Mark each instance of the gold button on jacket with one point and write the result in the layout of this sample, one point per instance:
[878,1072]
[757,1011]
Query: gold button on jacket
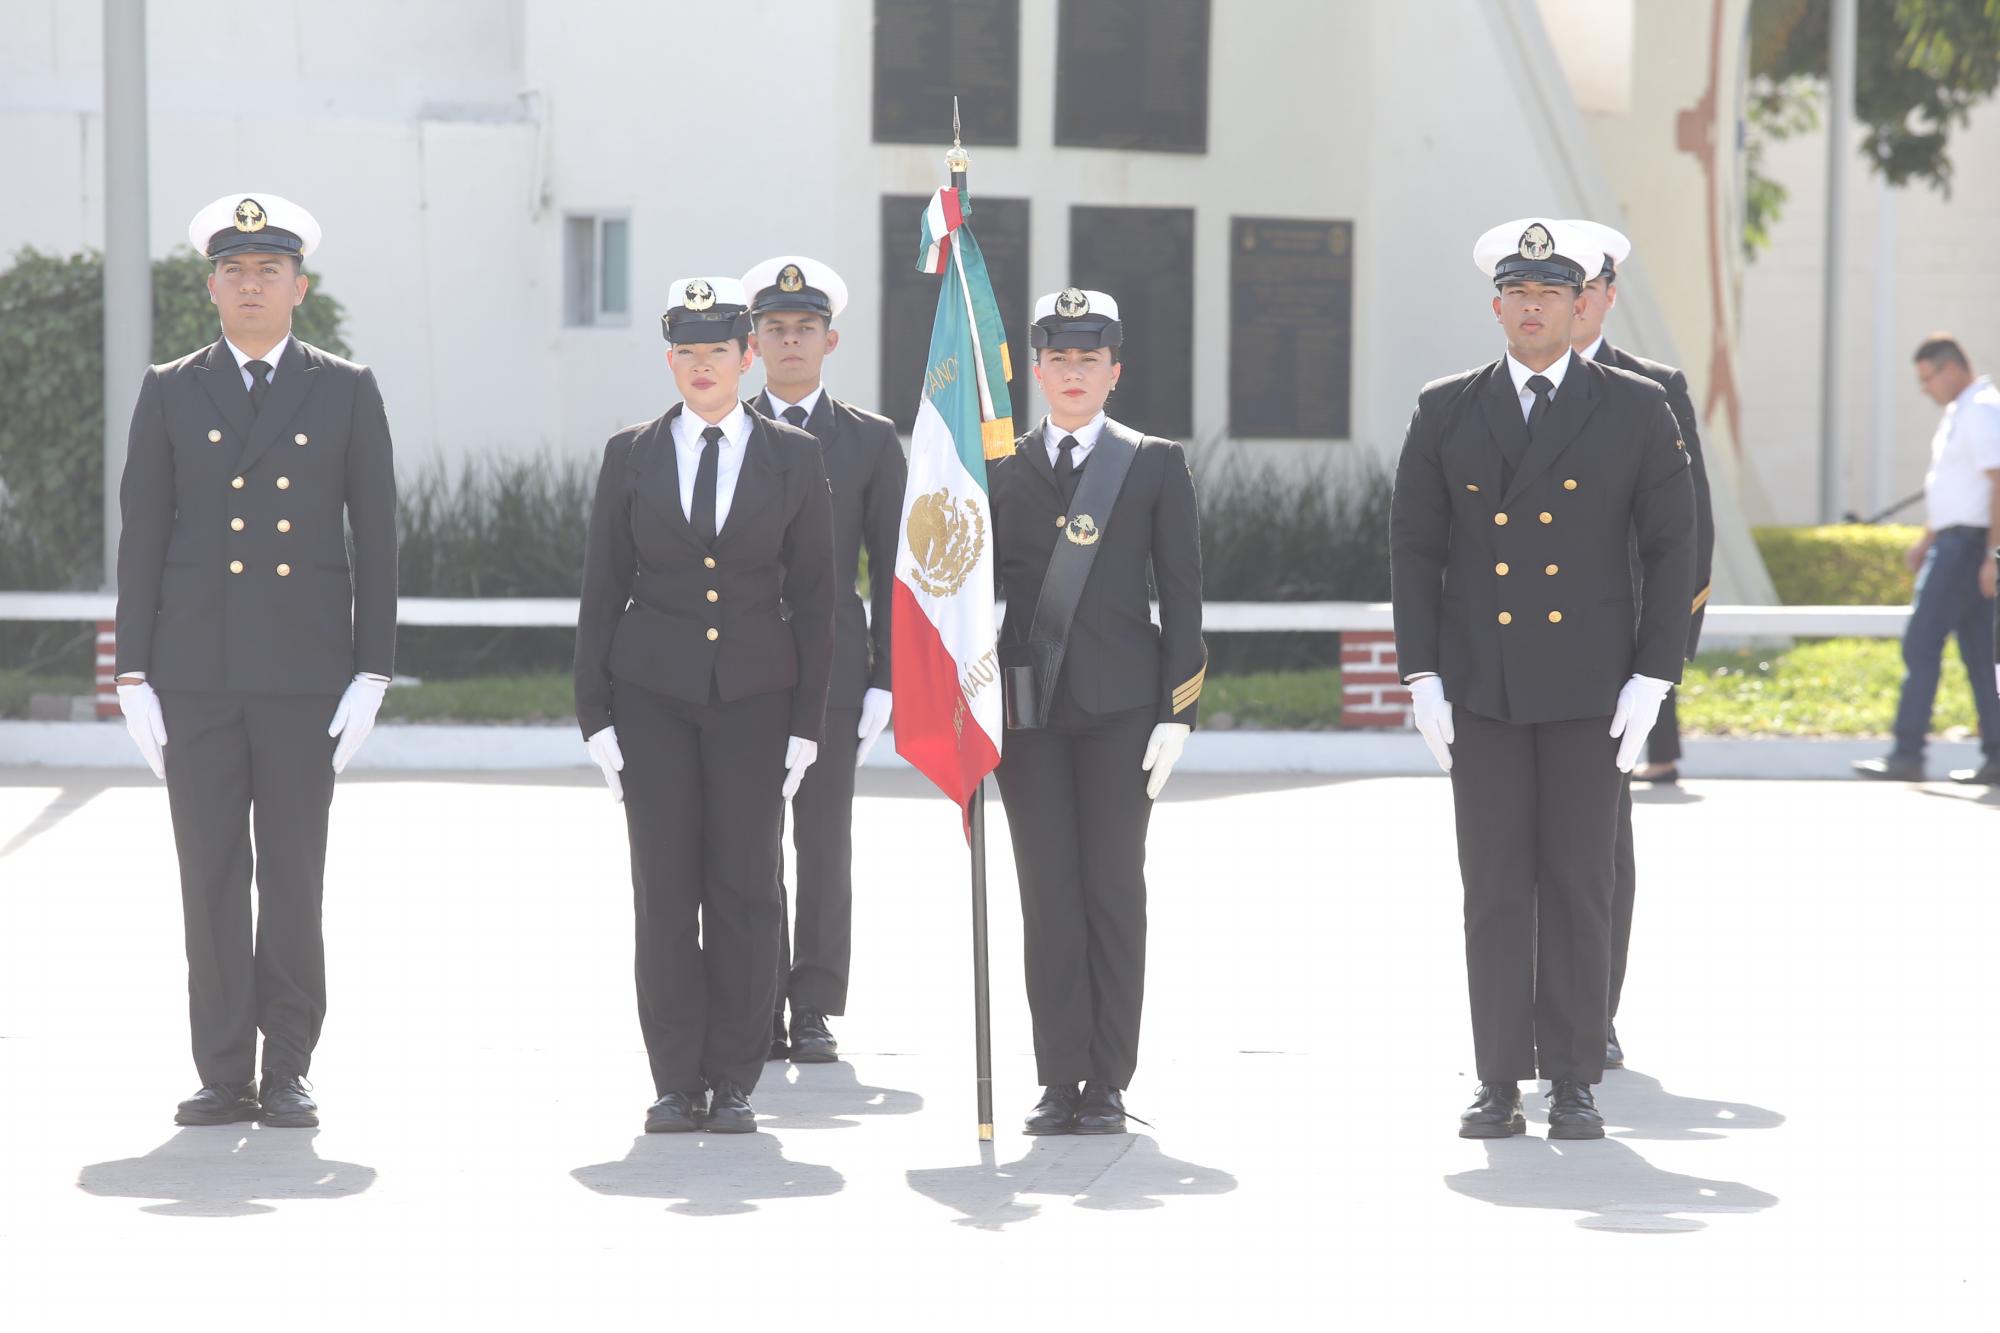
[714,596]
[1500,520]
[708,562]
[285,525]
[1555,617]
[215,437]
[714,634]
[285,484]
[1506,617]
[1553,570]
[237,482]
[236,566]
[1569,484]
[1501,569]
[1547,517]
[284,571]
[236,525]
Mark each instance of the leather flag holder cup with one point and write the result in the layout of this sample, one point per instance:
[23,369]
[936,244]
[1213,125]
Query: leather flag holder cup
[1029,668]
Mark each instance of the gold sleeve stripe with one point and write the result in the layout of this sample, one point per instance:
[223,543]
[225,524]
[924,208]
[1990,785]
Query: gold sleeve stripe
[1189,690]
[1701,599]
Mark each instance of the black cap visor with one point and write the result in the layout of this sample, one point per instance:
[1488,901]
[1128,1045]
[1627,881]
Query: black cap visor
[717,324]
[1554,269]
[1086,333]
[269,241]
[809,299]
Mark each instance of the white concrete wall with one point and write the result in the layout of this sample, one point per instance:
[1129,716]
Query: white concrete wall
[1945,262]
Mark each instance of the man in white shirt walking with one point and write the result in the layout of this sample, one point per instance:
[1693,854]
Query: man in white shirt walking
[1955,564]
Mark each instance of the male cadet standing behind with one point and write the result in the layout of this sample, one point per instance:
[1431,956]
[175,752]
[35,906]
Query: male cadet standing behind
[705,634]
[1521,487]
[793,302]
[251,657]
[1085,510]
[1663,746]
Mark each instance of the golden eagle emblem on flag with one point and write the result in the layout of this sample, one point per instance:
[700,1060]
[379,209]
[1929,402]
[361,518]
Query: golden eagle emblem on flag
[946,536]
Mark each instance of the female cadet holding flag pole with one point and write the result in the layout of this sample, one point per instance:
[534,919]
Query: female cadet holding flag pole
[1099,700]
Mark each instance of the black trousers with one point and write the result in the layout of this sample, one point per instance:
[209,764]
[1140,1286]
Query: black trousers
[1537,808]
[1077,811]
[1624,887]
[703,799]
[240,763]
[814,944]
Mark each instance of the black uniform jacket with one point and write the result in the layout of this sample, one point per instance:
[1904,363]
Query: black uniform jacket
[1676,385]
[864,462]
[233,569]
[1522,598]
[1117,659]
[662,610]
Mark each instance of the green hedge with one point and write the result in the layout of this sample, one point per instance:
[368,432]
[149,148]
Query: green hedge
[1844,564]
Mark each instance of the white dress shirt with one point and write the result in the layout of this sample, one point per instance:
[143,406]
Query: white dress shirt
[270,358]
[1086,439]
[1554,374]
[728,459]
[1957,490]
[809,402]
[1590,353]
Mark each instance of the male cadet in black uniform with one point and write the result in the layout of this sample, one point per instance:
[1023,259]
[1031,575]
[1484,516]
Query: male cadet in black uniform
[252,656]
[703,644]
[1097,698]
[1521,488]
[793,302]
[1663,745]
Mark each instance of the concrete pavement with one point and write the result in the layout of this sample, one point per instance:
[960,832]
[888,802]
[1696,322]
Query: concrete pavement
[1799,1142]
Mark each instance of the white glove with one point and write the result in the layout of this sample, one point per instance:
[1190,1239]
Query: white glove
[1163,751]
[799,756]
[1638,709]
[1432,713]
[604,752]
[145,722]
[355,717]
[876,706]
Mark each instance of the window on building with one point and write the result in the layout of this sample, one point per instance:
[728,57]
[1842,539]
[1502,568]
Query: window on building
[597,269]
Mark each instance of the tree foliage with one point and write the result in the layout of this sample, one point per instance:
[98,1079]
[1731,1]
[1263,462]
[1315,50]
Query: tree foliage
[52,399]
[1920,68]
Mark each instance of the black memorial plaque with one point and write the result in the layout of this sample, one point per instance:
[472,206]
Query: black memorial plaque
[1291,328]
[925,52]
[1144,258]
[1132,74]
[910,298]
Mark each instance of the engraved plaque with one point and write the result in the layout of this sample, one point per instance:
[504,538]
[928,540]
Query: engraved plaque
[1133,74]
[1291,328]
[1144,257]
[926,51]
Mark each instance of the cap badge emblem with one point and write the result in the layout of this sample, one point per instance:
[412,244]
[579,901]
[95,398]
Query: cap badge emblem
[1071,302]
[1082,530]
[250,216]
[790,279]
[698,295]
[1536,243]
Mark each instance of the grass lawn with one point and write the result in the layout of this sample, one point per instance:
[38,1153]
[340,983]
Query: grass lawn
[1833,687]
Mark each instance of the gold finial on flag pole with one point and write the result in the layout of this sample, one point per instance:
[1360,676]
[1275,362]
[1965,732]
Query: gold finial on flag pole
[957,160]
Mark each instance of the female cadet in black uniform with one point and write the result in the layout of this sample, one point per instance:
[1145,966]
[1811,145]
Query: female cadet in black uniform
[703,645]
[1083,511]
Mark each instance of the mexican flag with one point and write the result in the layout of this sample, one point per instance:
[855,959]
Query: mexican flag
[945,645]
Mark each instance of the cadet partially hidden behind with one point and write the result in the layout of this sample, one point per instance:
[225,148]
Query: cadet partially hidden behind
[703,643]
[1534,677]
[1085,511]
[252,656]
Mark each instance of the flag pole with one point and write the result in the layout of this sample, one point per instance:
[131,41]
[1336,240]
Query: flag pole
[957,161]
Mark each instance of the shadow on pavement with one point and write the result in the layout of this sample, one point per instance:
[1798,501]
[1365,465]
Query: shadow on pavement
[1637,1107]
[72,797]
[1666,793]
[1114,1173]
[223,1170]
[711,1175]
[825,1097]
[1616,1188]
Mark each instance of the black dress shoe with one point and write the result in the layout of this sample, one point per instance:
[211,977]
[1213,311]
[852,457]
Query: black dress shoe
[1055,1113]
[219,1104]
[1667,775]
[1495,1113]
[780,1048]
[1895,768]
[1100,1111]
[676,1113]
[812,1042]
[1986,775]
[1614,1054]
[1573,1112]
[729,1111]
[286,1105]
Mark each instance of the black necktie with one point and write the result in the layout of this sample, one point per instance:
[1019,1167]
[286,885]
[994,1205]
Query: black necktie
[1539,386]
[1066,469]
[260,383]
[796,415]
[703,517]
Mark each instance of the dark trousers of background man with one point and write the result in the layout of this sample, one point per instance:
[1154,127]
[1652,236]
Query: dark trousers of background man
[1663,742]
[235,762]
[812,972]
[1537,808]
[1077,812]
[1947,603]
[703,801]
